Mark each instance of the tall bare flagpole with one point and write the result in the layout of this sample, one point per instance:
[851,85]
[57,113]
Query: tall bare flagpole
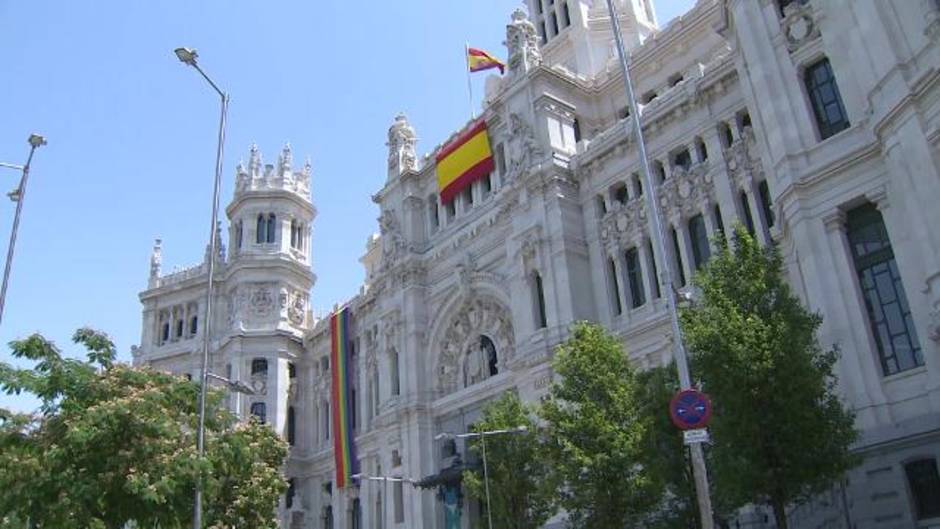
[700,473]
[466,65]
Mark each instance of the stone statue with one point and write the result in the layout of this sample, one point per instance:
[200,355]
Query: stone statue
[524,148]
[156,259]
[401,146]
[523,43]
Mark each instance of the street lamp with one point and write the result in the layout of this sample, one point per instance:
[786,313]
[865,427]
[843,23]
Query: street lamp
[18,195]
[188,56]
[486,477]
[385,480]
[699,471]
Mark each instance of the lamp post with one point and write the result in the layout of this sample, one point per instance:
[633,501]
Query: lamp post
[699,472]
[188,56]
[18,195]
[486,477]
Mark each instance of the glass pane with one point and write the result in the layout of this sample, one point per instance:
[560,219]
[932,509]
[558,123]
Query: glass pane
[885,285]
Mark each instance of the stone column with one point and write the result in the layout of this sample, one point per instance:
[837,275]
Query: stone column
[760,227]
[710,228]
[685,250]
[643,255]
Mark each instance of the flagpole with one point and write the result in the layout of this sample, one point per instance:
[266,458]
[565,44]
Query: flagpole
[466,62]
[658,235]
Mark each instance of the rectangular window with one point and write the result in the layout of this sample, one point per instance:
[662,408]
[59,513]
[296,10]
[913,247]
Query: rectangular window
[680,272]
[501,159]
[553,19]
[746,210]
[653,269]
[565,16]
[291,425]
[825,99]
[576,125]
[433,215]
[600,206]
[889,314]
[396,381]
[719,223]
[399,502]
[540,319]
[765,203]
[699,234]
[924,482]
[682,159]
[614,288]
[635,278]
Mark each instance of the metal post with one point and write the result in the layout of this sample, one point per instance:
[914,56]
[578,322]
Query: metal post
[204,375]
[19,195]
[466,59]
[486,484]
[699,471]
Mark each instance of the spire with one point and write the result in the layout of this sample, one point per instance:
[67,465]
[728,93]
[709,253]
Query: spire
[285,161]
[156,259]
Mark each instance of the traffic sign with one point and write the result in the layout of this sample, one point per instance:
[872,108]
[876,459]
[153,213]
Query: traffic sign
[699,435]
[690,410]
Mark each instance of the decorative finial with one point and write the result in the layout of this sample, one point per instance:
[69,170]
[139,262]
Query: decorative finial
[254,160]
[156,258]
[286,159]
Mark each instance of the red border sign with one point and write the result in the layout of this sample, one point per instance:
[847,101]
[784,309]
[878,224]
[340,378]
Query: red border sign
[690,409]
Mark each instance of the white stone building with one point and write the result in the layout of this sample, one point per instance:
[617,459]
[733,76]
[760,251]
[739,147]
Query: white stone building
[816,123]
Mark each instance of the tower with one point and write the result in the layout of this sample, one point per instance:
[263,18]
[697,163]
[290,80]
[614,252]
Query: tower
[576,34]
[265,297]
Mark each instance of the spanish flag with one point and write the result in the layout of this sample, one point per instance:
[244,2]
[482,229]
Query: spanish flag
[479,60]
[463,160]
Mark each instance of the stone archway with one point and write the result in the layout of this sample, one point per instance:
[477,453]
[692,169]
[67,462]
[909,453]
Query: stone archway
[478,317]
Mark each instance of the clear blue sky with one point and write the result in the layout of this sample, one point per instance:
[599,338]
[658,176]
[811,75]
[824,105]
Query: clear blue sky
[132,132]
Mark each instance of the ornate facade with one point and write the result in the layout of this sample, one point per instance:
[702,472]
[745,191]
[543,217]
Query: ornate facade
[816,123]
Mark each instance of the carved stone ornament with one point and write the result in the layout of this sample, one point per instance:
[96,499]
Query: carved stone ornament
[624,224]
[261,301]
[524,148]
[686,191]
[522,42]
[156,259]
[798,24]
[393,243]
[297,307]
[482,316]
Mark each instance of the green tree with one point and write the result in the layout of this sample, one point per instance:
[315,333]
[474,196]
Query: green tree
[522,493]
[780,432]
[111,444]
[596,434]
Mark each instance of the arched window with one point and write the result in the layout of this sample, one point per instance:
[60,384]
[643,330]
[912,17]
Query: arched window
[923,481]
[193,325]
[260,229]
[179,328]
[260,410]
[488,349]
[259,366]
[396,382]
[239,231]
[538,301]
[291,425]
[165,332]
[272,227]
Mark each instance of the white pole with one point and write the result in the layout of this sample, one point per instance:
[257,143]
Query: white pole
[699,471]
[466,61]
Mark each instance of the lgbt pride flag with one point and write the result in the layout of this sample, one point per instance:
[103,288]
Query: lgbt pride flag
[463,160]
[478,60]
[344,446]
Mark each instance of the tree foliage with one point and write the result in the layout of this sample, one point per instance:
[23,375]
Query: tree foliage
[597,434]
[111,444]
[520,477]
[780,432]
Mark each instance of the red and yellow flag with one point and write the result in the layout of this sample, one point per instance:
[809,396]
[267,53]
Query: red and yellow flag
[478,60]
[463,160]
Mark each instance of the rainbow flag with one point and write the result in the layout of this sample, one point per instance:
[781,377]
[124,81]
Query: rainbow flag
[344,446]
[463,160]
[478,60]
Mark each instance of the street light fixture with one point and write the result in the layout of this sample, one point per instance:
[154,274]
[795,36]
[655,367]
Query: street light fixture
[486,477]
[188,56]
[18,195]
[385,480]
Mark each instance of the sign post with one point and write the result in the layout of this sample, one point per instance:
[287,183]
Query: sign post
[691,411]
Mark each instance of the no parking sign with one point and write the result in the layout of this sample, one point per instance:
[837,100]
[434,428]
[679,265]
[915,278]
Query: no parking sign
[690,410]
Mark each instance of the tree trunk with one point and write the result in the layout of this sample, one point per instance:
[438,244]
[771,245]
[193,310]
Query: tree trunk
[780,512]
